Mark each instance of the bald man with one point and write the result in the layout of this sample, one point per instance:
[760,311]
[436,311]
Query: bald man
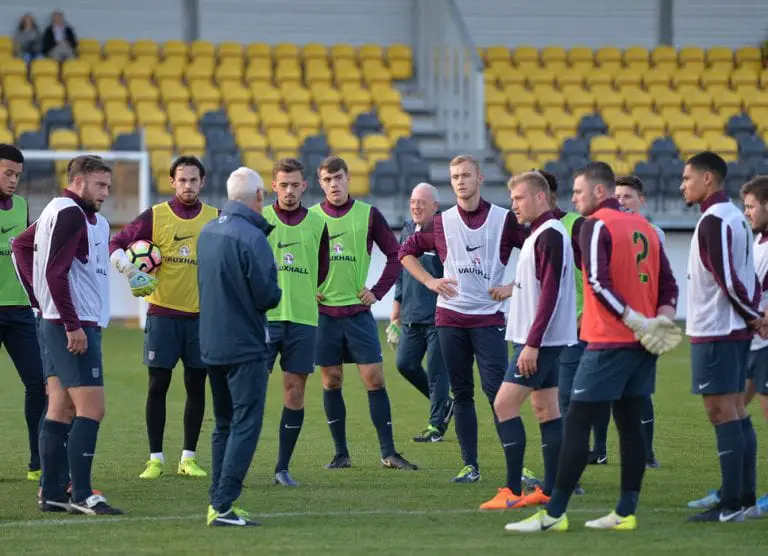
[412,324]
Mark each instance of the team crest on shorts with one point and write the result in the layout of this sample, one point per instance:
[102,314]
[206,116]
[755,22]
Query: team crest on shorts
[151,355]
[288,259]
[184,251]
[95,372]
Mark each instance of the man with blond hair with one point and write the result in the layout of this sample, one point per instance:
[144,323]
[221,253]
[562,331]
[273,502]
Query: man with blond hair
[237,280]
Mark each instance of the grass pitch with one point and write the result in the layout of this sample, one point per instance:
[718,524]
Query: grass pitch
[366,509]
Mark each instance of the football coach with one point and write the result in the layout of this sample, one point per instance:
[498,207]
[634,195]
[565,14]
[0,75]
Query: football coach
[237,279]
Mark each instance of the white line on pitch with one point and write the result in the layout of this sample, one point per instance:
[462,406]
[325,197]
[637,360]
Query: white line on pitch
[88,520]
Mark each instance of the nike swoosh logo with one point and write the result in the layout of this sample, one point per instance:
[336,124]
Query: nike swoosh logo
[644,422]
[6,230]
[579,391]
[284,245]
[545,527]
[237,521]
[702,386]
[518,375]
[470,249]
[727,517]
[176,237]
[334,236]
[602,459]
[508,444]
[333,421]
[292,426]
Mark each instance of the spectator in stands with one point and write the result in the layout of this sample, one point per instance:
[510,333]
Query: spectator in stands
[27,41]
[59,39]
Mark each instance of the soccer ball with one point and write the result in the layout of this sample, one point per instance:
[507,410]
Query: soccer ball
[145,256]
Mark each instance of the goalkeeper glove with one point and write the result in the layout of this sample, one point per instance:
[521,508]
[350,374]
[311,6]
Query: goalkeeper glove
[636,322]
[393,335]
[142,284]
[661,335]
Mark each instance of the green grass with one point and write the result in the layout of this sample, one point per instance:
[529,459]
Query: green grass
[366,509]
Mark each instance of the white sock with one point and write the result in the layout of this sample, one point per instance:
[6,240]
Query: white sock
[157,455]
[187,454]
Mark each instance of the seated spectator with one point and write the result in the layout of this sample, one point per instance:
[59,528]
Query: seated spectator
[27,42]
[59,39]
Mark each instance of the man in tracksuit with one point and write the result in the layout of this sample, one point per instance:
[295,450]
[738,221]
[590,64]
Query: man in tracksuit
[237,280]
[412,324]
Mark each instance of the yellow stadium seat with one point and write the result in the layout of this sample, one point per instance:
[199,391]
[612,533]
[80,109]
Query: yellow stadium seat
[235,93]
[119,115]
[49,88]
[229,72]
[111,90]
[375,143]
[17,90]
[691,55]
[230,50]
[697,99]
[667,98]
[541,77]
[274,119]
[343,142]
[205,92]
[314,51]
[608,98]
[384,95]
[496,53]
[148,114]
[3,116]
[243,116]
[295,95]
[530,121]
[627,77]
[598,77]
[649,123]
[617,120]
[249,139]
[201,49]
[602,147]
[763,79]
[744,76]
[265,94]
[526,54]
[495,97]
[258,71]
[543,147]
[512,77]
[143,91]
[43,67]
[685,77]
[664,56]
[173,91]
[501,121]
[107,69]
[343,52]
[689,144]
[632,148]
[516,163]
[189,141]
[80,89]
[23,127]
[75,68]
[510,142]
[569,77]
[755,99]
[288,73]
[712,78]
[258,50]
[656,77]
[286,51]
[94,138]
[726,100]
[117,47]
[145,48]
[634,96]
[636,55]
[707,123]
[370,52]
[13,66]
[169,69]
[201,69]
[316,72]
[403,52]
[719,54]
[331,118]
[180,115]
[401,70]
[138,70]
[608,55]
[305,120]
[281,140]
[258,160]
[158,139]
[88,46]
[325,95]
[63,140]
[748,55]
[5,136]
[553,55]
[581,55]
[724,146]
[680,122]
[551,99]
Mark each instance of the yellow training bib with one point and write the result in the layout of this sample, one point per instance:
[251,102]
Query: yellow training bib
[177,240]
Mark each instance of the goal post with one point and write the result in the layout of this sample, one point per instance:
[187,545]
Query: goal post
[131,195]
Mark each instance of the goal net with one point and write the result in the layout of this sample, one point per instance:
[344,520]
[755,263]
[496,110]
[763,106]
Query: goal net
[45,175]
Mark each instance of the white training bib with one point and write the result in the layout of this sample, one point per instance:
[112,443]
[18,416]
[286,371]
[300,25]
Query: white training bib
[710,312]
[473,261]
[89,281]
[761,267]
[526,294]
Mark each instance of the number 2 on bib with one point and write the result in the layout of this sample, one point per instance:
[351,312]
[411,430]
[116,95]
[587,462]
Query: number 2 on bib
[639,237]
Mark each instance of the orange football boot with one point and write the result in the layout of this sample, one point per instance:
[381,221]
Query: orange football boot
[535,498]
[504,499]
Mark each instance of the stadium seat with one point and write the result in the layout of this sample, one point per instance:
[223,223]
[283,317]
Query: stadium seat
[117,47]
[94,138]
[63,140]
[242,116]
[118,115]
[13,67]
[189,140]
[86,113]
[148,114]
[142,91]
[180,115]
[111,90]
[249,139]
[107,69]
[314,51]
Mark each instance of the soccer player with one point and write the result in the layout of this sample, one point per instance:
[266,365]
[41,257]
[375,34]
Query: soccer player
[629,193]
[238,285]
[347,331]
[412,324]
[723,311]
[64,257]
[299,242]
[542,321]
[473,240]
[571,355]
[629,292]
[173,313]
[18,330]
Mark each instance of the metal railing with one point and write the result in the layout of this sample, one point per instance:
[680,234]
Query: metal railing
[449,74]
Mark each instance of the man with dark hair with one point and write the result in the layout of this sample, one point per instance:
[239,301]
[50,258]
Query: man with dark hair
[299,242]
[630,294]
[571,355]
[629,193]
[347,331]
[63,259]
[173,314]
[723,309]
[18,331]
